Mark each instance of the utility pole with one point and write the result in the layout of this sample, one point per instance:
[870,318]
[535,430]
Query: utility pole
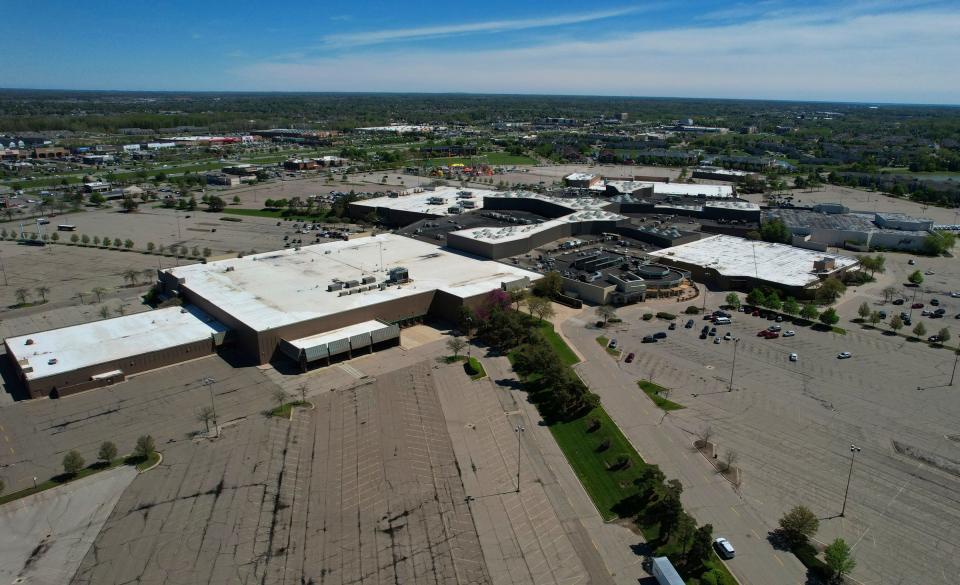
[853,455]
[519,430]
[733,366]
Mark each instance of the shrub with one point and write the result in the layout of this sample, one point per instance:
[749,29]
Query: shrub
[647,316]
[667,316]
[145,447]
[692,310]
[73,462]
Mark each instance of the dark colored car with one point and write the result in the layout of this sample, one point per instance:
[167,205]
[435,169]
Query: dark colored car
[916,306]
[689,324]
[660,334]
[630,357]
[649,339]
[713,331]
[705,330]
[935,302]
[898,301]
[883,314]
[672,326]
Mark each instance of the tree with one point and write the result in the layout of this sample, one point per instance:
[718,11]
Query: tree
[829,317]
[874,318]
[96,240]
[117,243]
[888,293]
[151,247]
[3,486]
[549,286]
[775,231]
[97,199]
[944,334]
[456,345]
[280,396]
[915,278]
[517,296]
[864,310]
[55,237]
[606,312]
[756,297]
[74,238]
[207,252]
[809,312]
[236,200]
[145,447]
[216,204]
[733,300]
[195,252]
[540,307]
[797,525]
[130,275]
[84,239]
[830,289]
[128,243]
[107,452]
[700,547]
[121,309]
[939,242]
[99,292]
[896,323]
[791,306]
[772,302]
[205,415]
[22,295]
[920,329]
[73,462]
[104,311]
[42,290]
[129,204]
[839,558]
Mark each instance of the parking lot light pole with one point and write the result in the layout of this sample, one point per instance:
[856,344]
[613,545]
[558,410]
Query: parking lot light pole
[519,430]
[733,366]
[209,382]
[955,361]
[853,455]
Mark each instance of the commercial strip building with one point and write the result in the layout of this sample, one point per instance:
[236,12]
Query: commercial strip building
[67,360]
[288,295]
[314,305]
[737,263]
[826,226]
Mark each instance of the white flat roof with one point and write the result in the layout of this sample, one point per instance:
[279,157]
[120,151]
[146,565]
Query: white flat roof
[571,203]
[732,256]
[337,334]
[693,190]
[278,288]
[418,202]
[89,344]
[580,177]
[519,232]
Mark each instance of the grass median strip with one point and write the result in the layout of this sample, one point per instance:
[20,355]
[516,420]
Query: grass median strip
[655,391]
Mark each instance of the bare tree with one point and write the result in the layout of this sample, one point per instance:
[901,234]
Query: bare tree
[104,311]
[205,415]
[729,458]
[22,295]
[704,436]
[456,345]
[42,290]
[99,292]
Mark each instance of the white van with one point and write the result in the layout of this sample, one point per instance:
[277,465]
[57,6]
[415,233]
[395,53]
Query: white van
[722,321]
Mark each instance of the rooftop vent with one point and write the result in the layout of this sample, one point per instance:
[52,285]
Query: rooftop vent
[29,342]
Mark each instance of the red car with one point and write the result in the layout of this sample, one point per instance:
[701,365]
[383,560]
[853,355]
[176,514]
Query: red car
[755,313]
[916,306]
[630,357]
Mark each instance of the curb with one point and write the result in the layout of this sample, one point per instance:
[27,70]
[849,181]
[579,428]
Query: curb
[159,461]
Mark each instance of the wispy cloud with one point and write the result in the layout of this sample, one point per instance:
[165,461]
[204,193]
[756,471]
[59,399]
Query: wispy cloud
[376,37]
[902,56]
[340,17]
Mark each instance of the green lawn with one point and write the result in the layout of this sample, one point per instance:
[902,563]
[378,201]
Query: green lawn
[89,470]
[556,342]
[285,409]
[605,343]
[272,213]
[474,369]
[491,158]
[606,488]
[653,391]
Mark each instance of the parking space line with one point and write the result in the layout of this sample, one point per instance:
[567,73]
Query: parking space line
[735,511]
[779,561]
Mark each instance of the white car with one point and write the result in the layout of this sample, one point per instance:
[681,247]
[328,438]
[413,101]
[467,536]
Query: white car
[724,548]
[789,333]
[844,355]
[955,295]
[794,357]
[716,340]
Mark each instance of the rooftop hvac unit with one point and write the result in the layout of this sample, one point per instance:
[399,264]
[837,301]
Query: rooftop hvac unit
[368,279]
[352,283]
[334,286]
[399,274]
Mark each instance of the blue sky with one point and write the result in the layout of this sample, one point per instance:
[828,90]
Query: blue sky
[856,50]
